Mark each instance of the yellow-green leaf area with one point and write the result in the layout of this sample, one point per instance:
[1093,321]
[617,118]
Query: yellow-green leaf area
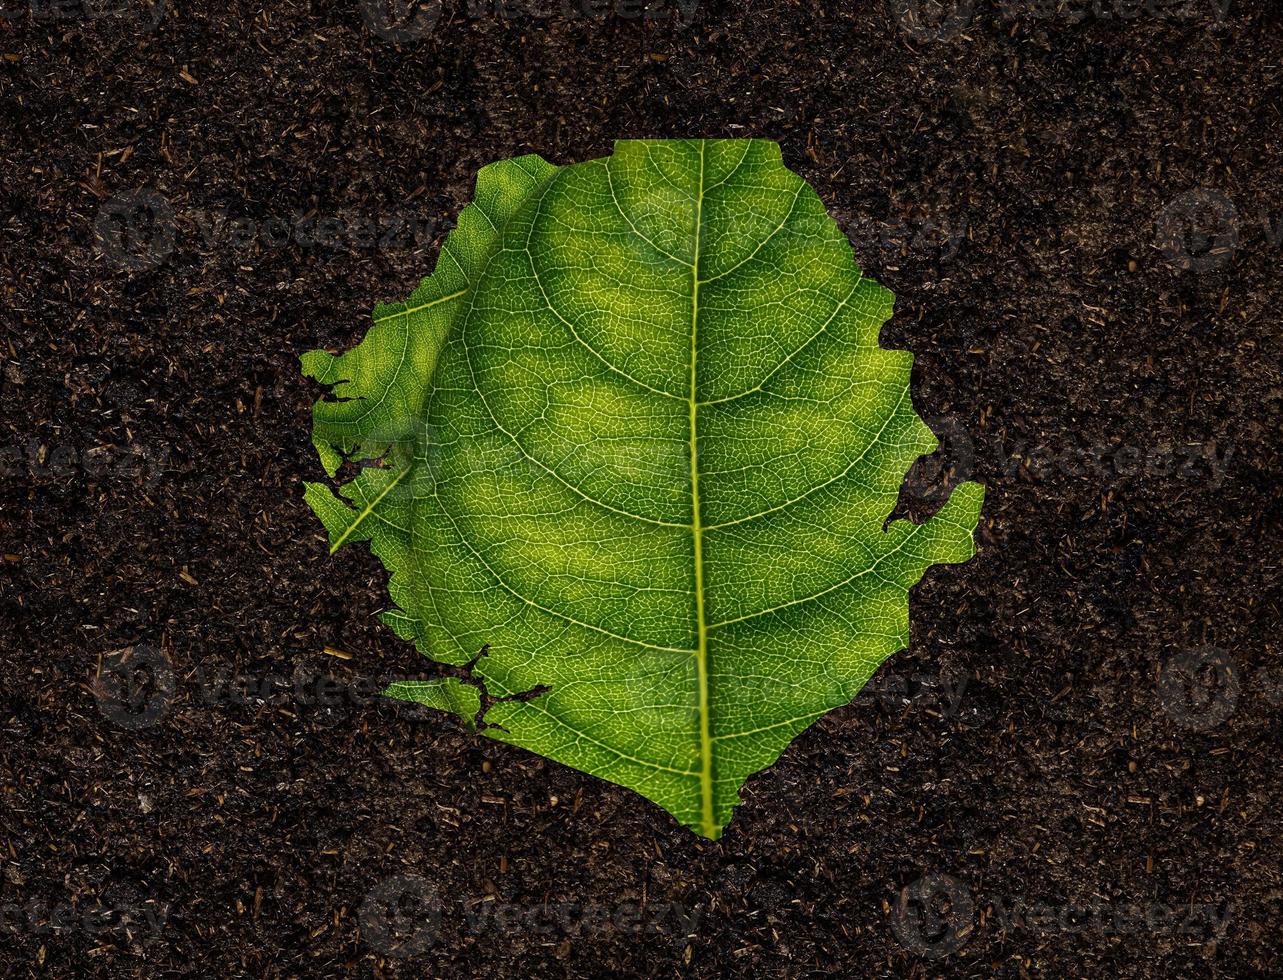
[635,437]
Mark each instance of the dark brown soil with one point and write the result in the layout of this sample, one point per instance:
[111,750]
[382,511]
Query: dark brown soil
[1073,770]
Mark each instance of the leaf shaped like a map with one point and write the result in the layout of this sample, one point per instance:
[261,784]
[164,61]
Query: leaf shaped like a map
[636,438]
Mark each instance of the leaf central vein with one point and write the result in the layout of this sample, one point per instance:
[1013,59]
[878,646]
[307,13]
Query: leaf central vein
[702,671]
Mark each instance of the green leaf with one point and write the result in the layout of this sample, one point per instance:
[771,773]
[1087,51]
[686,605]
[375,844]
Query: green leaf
[448,694]
[636,437]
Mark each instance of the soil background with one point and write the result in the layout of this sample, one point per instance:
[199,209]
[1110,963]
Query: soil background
[1071,772]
